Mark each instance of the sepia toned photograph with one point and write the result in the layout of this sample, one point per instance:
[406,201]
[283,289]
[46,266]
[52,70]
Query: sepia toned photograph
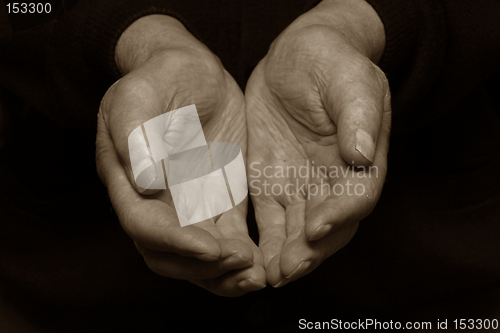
[249,166]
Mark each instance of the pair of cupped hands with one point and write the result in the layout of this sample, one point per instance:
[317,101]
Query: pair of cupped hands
[317,98]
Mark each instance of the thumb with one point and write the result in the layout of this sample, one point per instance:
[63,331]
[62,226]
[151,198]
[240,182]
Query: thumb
[355,100]
[363,115]
[144,135]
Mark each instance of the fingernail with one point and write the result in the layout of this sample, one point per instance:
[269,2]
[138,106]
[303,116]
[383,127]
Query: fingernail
[207,257]
[235,261]
[281,283]
[321,232]
[299,270]
[365,144]
[251,284]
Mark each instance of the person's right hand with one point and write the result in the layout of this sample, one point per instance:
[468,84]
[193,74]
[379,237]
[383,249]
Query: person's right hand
[166,68]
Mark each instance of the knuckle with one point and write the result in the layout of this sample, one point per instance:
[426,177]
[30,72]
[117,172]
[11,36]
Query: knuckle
[107,100]
[137,86]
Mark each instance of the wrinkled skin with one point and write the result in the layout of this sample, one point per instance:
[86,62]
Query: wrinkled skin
[305,102]
[316,99]
[217,254]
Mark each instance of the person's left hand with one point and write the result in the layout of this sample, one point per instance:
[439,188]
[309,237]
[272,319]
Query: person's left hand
[316,106]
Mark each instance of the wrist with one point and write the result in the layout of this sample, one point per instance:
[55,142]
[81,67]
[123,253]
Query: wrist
[356,20]
[149,36]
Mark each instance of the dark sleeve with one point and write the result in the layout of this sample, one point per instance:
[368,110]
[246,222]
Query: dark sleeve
[62,63]
[437,51]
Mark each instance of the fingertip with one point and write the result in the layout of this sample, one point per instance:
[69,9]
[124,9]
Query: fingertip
[299,270]
[202,244]
[237,282]
[297,256]
[250,284]
[231,246]
[273,273]
[211,254]
[206,257]
[143,191]
[365,145]
[259,274]
[318,222]
[235,261]
[256,279]
[281,283]
[359,117]
[319,232]
[296,273]
[358,150]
